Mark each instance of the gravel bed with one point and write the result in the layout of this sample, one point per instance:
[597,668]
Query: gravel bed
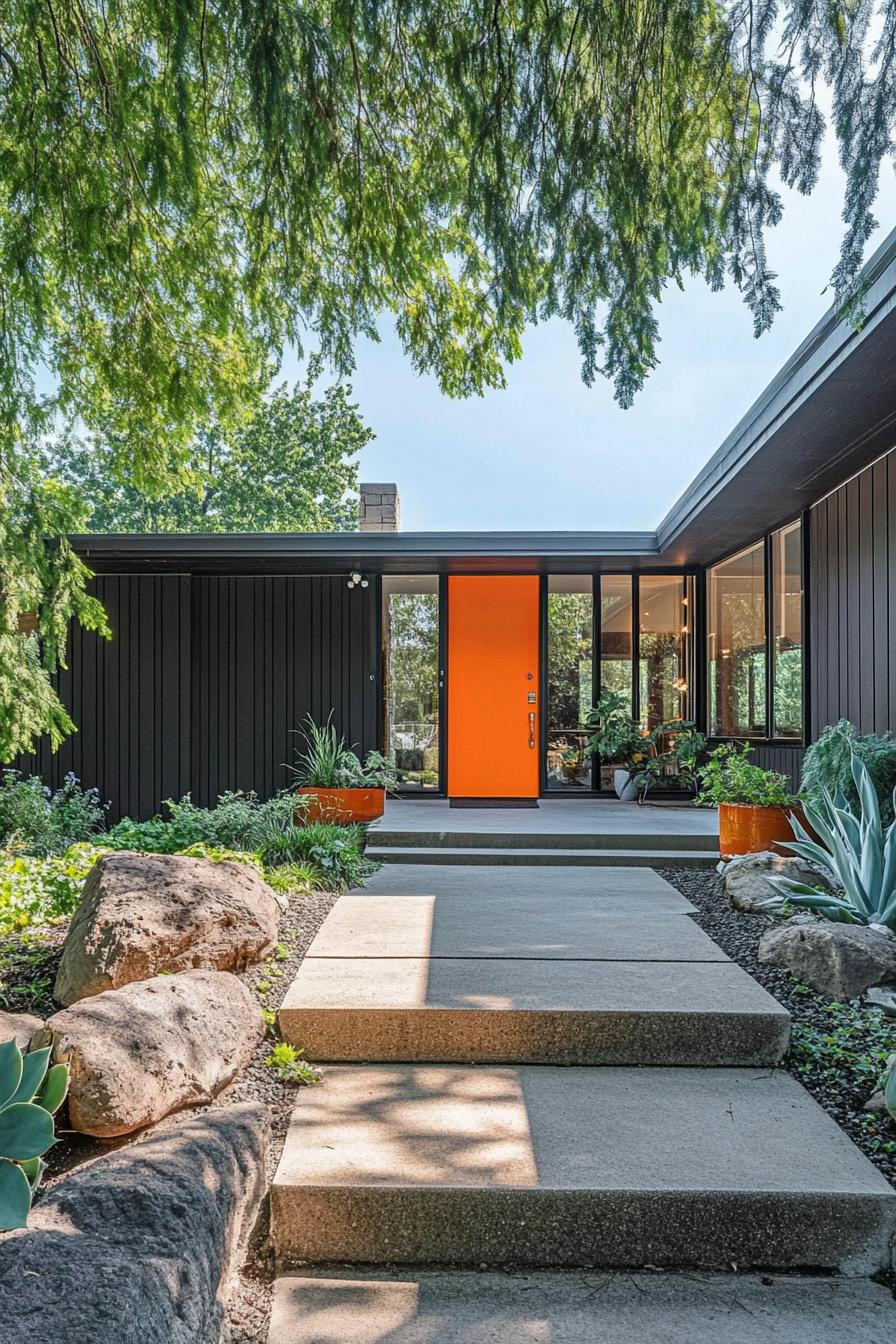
[831,1042]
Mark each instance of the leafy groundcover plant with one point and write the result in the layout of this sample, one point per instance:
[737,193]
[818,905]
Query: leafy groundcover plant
[30,1094]
[855,848]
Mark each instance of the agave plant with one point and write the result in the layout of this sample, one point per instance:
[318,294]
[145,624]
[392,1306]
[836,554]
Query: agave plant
[30,1094]
[855,848]
[889,1086]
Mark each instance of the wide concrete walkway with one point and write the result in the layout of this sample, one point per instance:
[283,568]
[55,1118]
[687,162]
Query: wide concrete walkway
[447,1132]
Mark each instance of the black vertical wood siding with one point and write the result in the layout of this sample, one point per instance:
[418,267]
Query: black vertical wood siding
[852,601]
[203,682]
[266,653]
[785,759]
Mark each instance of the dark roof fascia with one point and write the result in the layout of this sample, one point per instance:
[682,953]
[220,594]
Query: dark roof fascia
[378,552]
[832,340]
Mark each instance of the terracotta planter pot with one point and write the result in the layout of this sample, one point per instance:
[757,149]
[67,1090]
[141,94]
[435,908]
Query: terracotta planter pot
[744,829]
[344,805]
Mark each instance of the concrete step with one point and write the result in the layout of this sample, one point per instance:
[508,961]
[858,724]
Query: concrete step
[425,978]
[517,890]
[575,1307]
[522,1011]
[543,1166]
[590,858]
[392,838]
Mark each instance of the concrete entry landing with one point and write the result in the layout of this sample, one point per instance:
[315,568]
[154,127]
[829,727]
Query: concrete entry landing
[581,832]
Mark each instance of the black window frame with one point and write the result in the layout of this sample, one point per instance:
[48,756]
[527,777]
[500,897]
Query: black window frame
[771,739]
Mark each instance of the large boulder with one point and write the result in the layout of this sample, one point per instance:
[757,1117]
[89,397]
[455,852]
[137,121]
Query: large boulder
[19,1027]
[746,878]
[138,1246]
[840,961]
[154,1047]
[145,913]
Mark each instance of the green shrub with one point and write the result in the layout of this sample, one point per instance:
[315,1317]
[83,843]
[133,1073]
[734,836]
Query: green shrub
[238,822]
[335,852]
[30,1094]
[729,776]
[827,766]
[40,821]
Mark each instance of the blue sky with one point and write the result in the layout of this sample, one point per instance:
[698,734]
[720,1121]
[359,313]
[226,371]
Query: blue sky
[548,452]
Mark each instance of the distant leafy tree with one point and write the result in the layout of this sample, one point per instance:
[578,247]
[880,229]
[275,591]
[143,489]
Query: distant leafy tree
[186,188]
[293,468]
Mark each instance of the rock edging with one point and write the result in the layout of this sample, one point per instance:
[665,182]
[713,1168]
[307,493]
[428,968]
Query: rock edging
[137,1247]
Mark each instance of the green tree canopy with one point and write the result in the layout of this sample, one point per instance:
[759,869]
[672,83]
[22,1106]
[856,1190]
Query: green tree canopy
[185,189]
[292,468]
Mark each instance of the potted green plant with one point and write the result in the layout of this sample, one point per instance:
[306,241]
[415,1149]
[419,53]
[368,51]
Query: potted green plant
[755,805]
[617,740]
[336,784]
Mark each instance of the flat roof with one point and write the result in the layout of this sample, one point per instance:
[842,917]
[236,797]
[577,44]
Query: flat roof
[829,412]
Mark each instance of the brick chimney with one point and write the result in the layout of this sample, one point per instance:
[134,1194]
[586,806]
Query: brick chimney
[379,507]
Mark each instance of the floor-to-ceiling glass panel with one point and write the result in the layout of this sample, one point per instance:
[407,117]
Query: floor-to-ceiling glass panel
[665,606]
[664,647]
[615,646]
[735,645]
[411,677]
[787,626]
[570,647]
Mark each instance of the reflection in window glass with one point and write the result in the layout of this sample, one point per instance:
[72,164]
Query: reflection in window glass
[411,677]
[787,626]
[736,645]
[664,647]
[615,645]
[570,676]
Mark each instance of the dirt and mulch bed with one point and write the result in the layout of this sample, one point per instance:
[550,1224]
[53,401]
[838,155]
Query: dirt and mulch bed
[837,1049]
[28,966]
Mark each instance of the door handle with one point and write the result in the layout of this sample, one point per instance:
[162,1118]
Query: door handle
[532,728]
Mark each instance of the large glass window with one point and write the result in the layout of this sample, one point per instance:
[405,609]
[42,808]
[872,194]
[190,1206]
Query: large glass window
[570,617]
[664,647]
[411,677]
[735,617]
[616,647]
[787,631]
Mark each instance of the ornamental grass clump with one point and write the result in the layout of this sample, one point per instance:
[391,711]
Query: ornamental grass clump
[855,848]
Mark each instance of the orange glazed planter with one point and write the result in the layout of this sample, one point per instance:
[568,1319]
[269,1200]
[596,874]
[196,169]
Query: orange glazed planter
[343,805]
[747,829]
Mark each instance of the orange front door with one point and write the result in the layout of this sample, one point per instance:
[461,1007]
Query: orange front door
[493,693]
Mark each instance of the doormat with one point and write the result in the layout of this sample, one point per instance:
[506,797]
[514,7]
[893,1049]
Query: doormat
[492,802]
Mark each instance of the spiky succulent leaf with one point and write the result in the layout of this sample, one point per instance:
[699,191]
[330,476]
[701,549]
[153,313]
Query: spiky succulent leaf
[34,1168]
[890,1087]
[15,1196]
[53,1089]
[10,1071]
[26,1131]
[34,1069]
